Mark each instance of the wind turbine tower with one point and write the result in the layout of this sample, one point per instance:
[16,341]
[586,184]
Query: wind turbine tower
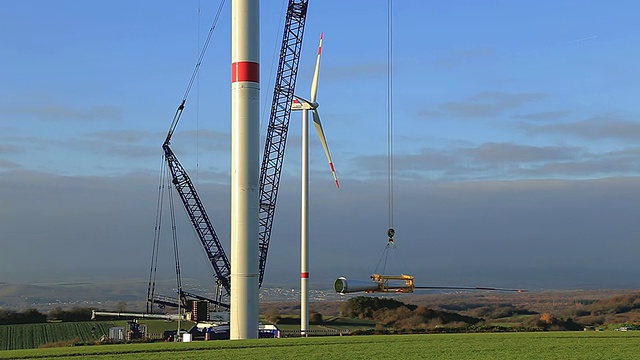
[305,106]
[245,167]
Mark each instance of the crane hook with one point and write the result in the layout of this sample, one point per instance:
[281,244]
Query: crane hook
[390,233]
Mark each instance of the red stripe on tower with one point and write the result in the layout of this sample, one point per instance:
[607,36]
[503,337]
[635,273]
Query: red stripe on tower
[245,71]
[304,275]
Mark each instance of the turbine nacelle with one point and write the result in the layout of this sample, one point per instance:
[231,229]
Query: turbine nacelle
[299,103]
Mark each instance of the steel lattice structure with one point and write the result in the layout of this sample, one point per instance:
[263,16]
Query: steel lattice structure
[274,146]
[271,163]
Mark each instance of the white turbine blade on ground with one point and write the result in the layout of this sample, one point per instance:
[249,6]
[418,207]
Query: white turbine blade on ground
[323,140]
[316,73]
[467,288]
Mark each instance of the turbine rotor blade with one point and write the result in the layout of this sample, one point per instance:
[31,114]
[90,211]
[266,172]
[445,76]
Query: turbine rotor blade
[467,288]
[316,73]
[318,125]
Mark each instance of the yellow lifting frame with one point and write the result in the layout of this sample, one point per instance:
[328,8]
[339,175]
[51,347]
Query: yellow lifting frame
[385,286]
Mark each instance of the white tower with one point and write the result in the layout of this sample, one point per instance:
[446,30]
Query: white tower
[245,167]
[300,104]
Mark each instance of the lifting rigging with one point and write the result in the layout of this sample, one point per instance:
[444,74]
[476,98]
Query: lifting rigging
[392,283]
[270,173]
[390,170]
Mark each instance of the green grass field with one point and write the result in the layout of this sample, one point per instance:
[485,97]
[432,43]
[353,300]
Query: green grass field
[29,336]
[543,345]
[334,322]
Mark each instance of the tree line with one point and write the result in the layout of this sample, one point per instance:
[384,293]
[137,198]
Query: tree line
[395,316]
[33,316]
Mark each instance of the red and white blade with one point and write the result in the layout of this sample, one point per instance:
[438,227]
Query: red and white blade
[316,73]
[318,125]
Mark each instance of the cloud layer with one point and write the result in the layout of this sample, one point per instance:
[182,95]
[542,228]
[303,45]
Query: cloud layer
[512,231]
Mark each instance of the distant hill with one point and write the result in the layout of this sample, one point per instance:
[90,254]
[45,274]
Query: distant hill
[106,294]
[44,296]
[584,306]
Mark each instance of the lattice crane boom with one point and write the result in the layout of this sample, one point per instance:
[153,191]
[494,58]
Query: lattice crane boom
[273,155]
[278,127]
[199,219]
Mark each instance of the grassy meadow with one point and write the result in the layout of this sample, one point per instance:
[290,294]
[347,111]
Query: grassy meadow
[542,345]
[27,336]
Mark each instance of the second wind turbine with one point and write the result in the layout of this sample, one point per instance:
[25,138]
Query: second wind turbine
[300,104]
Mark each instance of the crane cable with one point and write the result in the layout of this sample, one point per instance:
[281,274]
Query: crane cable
[165,178]
[203,52]
[390,231]
[192,80]
[194,75]
[174,235]
[156,240]
[198,107]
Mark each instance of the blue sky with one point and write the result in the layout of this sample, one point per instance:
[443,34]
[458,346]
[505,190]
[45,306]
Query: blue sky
[515,132]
